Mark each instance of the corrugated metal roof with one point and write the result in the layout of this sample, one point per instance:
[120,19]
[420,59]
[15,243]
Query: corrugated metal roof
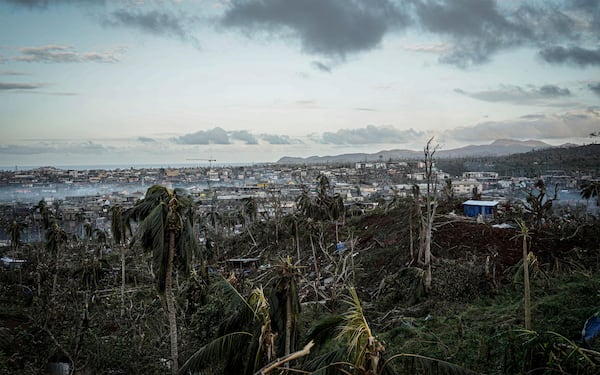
[480,203]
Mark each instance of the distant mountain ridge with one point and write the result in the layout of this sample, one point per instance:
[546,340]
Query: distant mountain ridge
[500,147]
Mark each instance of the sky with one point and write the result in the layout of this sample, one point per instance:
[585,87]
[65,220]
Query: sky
[129,82]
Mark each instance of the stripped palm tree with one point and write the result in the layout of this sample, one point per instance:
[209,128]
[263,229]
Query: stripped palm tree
[166,231]
[56,238]
[590,189]
[361,352]
[15,228]
[246,343]
[286,305]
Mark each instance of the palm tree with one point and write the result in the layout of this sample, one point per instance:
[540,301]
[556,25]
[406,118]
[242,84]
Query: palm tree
[589,190]
[305,205]
[101,238]
[360,351]
[89,230]
[56,237]
[324,200]
[286,305]
[247,341]
[540,204]
[165,230]
[42,208]
[291,223]
[15,228]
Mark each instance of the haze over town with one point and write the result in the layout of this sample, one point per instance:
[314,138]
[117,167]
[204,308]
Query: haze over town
[156,82]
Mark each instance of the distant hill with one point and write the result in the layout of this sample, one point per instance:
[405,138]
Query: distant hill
[569,159]
[501,147]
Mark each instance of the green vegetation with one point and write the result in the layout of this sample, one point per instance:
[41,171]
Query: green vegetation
[489,300]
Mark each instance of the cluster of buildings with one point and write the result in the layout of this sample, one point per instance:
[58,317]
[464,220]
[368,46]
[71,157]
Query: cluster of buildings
[80,196]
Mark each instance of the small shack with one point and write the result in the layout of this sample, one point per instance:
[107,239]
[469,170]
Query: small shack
[474,208]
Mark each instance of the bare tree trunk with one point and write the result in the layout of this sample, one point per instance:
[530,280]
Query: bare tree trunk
[170,299]
[55,276]
[318,276]
[527,295]
[410,234]
[431,206]
[288,323]
[122,279]
[297,240]
[427,254]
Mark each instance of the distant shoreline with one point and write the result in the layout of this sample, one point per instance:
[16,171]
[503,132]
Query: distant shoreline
[126,166]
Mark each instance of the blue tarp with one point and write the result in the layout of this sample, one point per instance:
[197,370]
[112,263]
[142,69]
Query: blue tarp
[591,329]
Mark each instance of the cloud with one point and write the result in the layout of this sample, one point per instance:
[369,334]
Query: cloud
[519,95]
[86,147]
[204,137]
[55,53]
[369,135]
[8,86]
[571,55]
[223,137]
[11,73]
[557,126]
[477,29]
[244,135]
[332,28]
[46,3]
[429,48]
[595,87]
[321,66]
[155,22]
[275,139]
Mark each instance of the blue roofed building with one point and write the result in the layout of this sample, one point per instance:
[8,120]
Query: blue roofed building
[473,208]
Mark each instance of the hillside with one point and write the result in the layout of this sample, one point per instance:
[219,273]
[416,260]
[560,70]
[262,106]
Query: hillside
[571,160]
[500,147]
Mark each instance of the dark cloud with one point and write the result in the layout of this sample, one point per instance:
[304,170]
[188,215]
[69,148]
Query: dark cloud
[365,109]
[477,27]
[46,3]
[325,27]
[321,66]
[370,135]
[561,125]
[595,87]
[155,22]
[54,53]
[552,91]
[519,95]
[571,55]
[244,135]
[204,137]
[6,86]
